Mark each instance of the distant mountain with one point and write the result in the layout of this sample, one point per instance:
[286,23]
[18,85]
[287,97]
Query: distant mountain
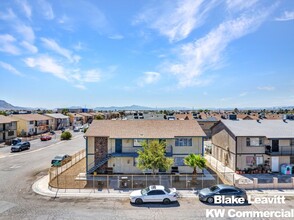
[7,106]
[137,108]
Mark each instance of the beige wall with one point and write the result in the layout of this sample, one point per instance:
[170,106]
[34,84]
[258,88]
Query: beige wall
[123,165]
[196,147]
[243,148]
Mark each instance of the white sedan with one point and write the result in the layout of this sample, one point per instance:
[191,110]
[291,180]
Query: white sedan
[154,193]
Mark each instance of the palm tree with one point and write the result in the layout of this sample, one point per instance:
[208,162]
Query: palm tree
[194,161]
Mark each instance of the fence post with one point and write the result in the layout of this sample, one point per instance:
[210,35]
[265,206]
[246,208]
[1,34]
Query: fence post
[93,183]
[171,180]
[132,182]
[146,181]
[159,179]
[118,181]
[107,179]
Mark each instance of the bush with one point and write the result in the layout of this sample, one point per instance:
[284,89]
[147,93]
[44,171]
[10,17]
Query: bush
[66,135]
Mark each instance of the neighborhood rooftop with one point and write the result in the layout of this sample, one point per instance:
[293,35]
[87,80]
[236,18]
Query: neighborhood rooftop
[57,115]
[264,128]
[4,119]
[31,117]
[145,129]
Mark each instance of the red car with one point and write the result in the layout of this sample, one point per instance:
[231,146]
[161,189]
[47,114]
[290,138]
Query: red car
[45,138]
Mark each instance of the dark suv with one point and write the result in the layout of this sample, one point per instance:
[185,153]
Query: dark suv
[21,146]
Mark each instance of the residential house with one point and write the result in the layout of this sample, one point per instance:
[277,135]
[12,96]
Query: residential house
[113,144]
[206,124]
[248,143]
[59,121]
[31,124]
[87,117]
[145,116]
[8,128]
[75,119]
[188,116]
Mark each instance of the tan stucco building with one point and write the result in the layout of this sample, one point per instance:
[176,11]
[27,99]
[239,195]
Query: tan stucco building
[31,124]
[8,128]
[113,144]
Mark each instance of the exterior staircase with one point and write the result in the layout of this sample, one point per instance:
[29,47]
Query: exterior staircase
[98,163]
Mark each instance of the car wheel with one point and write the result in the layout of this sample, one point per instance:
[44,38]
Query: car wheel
[166,201]
[20,149]
[210,200]
[139,201]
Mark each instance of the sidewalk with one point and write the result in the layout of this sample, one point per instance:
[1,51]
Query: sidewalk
[41,187]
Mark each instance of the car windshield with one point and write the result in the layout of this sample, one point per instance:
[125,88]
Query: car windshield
[58,158]
[213,188]
[145,191]
[167,190]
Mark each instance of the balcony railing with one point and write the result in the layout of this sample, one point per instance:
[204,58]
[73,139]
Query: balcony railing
[282,151]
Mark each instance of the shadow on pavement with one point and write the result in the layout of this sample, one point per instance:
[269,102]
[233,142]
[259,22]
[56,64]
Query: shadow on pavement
[157,205]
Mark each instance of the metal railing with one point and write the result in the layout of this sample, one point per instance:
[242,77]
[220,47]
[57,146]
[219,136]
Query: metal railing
[54,172]
[282,151]
[128,181]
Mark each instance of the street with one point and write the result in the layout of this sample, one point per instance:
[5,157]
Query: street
[17,200]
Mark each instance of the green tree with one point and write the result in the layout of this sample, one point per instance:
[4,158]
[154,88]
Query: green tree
[99,117]
[66,135]
[153,156]
[65,111]
[194,161]
[3,113]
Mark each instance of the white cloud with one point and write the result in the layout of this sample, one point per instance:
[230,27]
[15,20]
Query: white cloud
[243,94]
[286,16]
[266,88]
[26,32]
[7,16]
[148,78]
[7,44]
[30,47]
[79,46]
[116,37]
[47,64]
[238,5]
[46,9]
[177,20]
[52,45]
[26,8]
[10,68]
[92,76]
[206,53]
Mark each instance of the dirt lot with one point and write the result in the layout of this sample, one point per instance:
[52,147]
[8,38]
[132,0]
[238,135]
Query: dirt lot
[67,179]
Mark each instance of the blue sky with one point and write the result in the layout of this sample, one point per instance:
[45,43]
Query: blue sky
[229,53]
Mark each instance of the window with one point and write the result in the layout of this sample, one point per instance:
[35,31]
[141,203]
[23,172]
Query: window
[254,142]
[10,133]
[227,191]
[250,160]
[135,161]
[179,161]
[292,160]
[138,142]
[183,141]
[259,160]
[31,122]
[291,142]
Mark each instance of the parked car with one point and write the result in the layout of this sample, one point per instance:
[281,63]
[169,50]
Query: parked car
[45,138]
[52,132]
[15,141]
[62,130]
[76,129]
[21,146]
[154,193]
[60,160]
[207,194]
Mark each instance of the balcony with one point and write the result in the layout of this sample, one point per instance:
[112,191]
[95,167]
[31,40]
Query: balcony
[168,153]
[280,151]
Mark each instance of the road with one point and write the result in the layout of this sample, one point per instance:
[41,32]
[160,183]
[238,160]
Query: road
[17,200]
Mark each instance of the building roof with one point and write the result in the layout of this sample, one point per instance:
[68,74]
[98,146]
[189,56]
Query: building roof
[31,117]
[75,115]
[184,116]
[57,115]
[263,128]
[144,129]
[5,119]
[85,114]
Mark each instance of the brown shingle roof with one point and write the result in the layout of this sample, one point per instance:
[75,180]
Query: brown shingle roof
[31,117]
[144,128]
[184,116]
[85,114]
[5,119]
